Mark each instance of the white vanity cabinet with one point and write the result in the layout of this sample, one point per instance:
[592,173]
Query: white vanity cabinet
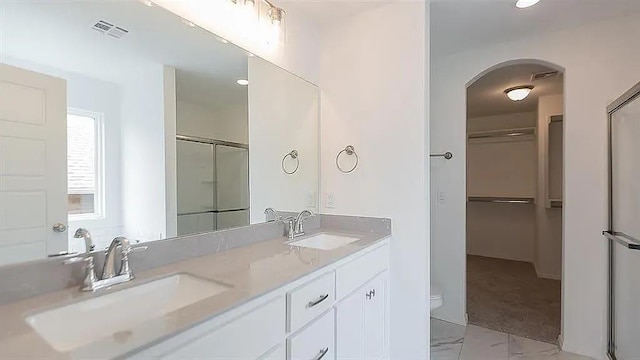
[361,321]
[338,312]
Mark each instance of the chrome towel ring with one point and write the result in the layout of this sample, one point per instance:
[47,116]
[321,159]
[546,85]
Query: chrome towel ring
[294,155]
[349,150]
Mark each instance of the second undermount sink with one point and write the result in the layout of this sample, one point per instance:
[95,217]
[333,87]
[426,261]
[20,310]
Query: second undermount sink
[72,326]
[324,241]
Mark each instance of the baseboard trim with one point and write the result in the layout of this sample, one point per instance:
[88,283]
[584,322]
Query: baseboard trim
[546,276]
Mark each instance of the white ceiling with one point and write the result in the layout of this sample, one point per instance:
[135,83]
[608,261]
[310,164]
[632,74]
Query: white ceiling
[58,33]
[458,25]
[486,96]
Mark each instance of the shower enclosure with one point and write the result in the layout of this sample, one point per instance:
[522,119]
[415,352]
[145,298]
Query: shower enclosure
[623,235]
[213,185]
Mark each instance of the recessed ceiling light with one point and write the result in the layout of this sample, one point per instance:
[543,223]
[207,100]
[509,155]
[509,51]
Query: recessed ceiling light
[243,82]
[518,93]
[147,2]
[521,4]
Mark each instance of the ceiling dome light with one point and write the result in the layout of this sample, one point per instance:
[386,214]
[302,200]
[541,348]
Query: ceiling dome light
[522,4]
[243,82]
[519,93]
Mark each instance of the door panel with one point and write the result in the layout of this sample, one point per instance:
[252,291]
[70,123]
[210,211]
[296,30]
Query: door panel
[33,166]
[624,243]
[374,318]
[232,178]
[196,178]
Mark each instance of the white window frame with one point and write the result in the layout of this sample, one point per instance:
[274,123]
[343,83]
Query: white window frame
[100,199]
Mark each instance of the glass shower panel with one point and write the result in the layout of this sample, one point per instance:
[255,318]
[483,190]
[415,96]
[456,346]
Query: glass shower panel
[232,170]
[625,212]
[196,178]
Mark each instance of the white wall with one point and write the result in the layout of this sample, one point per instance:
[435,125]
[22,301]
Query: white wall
[283,116]
[86,93]
[229,123]
[374,84]
[143,148]
[601,63]
[548,259]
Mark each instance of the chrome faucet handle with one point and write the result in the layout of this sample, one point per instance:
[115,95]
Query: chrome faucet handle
[90,278]
[290,226]
[125,268]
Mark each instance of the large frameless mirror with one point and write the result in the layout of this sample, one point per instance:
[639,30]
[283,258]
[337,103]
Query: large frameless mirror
[123,119]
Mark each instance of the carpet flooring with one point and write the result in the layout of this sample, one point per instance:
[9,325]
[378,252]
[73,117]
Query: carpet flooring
[507,296]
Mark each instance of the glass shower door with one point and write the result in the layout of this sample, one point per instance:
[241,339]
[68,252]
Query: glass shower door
[624,228]
[232,186]
[196,187]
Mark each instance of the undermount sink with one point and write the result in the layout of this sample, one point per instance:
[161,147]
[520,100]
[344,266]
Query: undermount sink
[72,326]
[324,241]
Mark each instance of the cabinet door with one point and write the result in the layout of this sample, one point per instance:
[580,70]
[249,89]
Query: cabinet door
[349,326]
[375,325]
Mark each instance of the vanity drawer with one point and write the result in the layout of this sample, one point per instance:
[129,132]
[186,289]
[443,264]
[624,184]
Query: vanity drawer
[316,341]
[351,276]
[310,300]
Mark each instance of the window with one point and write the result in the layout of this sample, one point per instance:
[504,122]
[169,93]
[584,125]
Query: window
[84,164]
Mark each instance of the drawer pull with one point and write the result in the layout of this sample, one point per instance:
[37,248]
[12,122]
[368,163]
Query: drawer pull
[317,301]
[321,354]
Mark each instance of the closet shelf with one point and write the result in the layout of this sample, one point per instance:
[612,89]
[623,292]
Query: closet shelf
[502,199]
[503,134]
[555,203]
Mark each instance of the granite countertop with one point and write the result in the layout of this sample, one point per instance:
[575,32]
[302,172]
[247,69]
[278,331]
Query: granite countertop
[251,271]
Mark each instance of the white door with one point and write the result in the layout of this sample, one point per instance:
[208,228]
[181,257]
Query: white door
[374,318]
[33,165]
[349,329]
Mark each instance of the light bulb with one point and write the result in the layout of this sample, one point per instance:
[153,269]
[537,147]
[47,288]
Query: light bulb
[518,93]
[522,4]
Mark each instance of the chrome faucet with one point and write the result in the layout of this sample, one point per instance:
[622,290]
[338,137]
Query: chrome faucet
[295,226]
[274,214]
[83,233]
[109,276]
[299,221]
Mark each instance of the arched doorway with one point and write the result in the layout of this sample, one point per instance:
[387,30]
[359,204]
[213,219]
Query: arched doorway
[515,117]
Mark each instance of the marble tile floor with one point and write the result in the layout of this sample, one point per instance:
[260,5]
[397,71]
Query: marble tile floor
[455,342]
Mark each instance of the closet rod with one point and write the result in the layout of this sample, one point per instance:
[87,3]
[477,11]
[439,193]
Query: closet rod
[501,200]
[509,133]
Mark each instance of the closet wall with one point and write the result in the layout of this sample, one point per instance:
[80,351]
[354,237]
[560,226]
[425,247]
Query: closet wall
[548,255]
[502,165]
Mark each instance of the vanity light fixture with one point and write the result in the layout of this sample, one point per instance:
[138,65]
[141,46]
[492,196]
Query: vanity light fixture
[243,82]
[522,4]
[518,93]
[276,15]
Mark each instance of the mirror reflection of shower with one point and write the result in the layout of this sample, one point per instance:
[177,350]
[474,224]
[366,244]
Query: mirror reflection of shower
[212,154]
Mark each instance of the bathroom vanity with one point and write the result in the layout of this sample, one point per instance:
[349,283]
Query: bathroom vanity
[321,296]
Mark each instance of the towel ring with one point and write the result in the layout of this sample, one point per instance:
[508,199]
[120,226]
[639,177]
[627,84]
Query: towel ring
[349,150]
[294,155]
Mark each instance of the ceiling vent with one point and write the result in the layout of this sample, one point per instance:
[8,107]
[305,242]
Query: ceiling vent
[110,29]
[544,75]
